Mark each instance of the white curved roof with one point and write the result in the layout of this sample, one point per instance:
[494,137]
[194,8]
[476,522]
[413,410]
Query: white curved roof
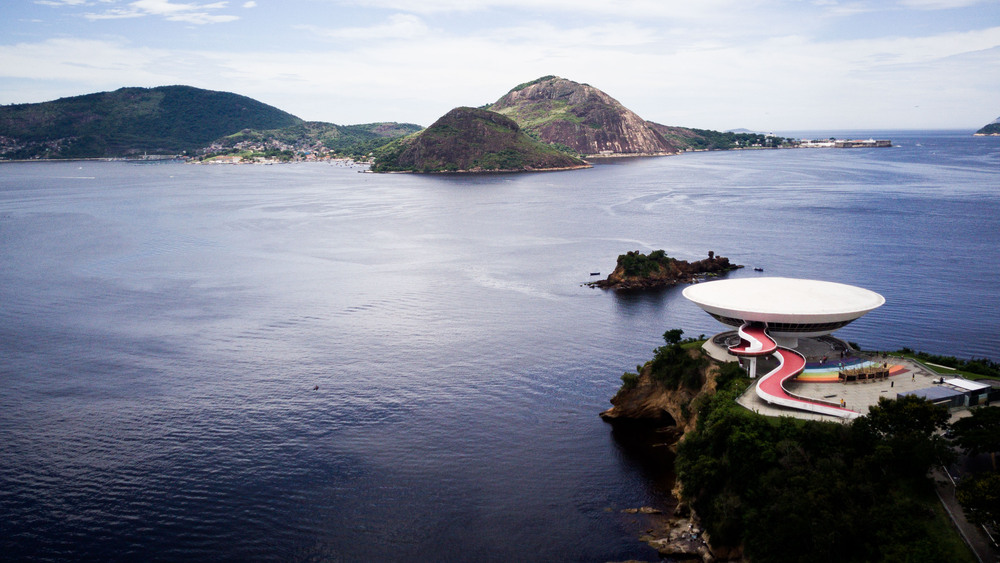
[783,300]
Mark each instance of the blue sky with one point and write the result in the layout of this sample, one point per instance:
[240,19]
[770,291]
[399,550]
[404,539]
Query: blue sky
[778,65]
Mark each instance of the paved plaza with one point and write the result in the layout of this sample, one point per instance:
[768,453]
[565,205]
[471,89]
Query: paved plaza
[857,396]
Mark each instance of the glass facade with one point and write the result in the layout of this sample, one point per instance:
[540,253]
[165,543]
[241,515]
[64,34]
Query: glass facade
[803,328]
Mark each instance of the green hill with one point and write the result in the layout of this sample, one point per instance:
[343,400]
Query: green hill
[470,139]
[128,121]
[991,129]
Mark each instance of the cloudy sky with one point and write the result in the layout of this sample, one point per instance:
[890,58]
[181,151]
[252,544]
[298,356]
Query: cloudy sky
[774,65]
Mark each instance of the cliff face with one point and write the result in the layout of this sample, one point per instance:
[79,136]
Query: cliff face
[469,139]
[582,118]
[650,401]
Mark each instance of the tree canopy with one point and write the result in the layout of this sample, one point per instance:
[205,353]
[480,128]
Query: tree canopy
[980,432]
[793,490]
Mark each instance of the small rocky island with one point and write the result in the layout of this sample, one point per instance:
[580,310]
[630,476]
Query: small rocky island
[640,271]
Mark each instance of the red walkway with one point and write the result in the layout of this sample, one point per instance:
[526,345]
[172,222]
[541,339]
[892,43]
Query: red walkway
[754,342]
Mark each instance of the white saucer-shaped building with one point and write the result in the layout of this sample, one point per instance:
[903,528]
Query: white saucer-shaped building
[790,308]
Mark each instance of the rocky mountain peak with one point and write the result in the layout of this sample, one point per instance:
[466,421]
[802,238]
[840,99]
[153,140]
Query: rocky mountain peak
[581,117]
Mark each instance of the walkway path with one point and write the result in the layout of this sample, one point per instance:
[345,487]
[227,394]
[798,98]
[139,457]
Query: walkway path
[755,341]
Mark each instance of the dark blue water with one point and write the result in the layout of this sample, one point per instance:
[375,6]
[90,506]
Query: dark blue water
[163,328]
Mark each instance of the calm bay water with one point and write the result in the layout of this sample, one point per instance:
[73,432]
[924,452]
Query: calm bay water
[163,329]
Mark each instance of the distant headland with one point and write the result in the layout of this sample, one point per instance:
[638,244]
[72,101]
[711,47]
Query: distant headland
[991,129]
[549,123]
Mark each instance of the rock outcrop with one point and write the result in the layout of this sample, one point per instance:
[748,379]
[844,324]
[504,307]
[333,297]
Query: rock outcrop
[650,401]
[639,271]
[581,117]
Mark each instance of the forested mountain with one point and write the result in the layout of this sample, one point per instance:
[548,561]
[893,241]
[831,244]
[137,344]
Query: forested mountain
[128,121]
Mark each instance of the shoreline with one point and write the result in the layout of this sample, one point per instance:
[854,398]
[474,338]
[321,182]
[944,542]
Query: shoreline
[474,171]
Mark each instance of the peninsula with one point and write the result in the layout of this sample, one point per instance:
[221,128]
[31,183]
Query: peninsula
[758,486]
[635,270]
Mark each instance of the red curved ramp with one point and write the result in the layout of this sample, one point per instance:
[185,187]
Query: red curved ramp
[754,341]
[771,387]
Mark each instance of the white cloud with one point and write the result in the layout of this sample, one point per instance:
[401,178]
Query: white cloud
[675,9]
[407,68]
[250,4]
[398,26]
[198,14]
[939,4]
[61,2]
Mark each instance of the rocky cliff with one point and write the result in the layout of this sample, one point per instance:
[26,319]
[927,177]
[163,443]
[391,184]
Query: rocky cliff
[648,400]
[678,535]
[582,118]
[471,140]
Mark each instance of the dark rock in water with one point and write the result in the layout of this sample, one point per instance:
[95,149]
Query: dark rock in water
[640,271]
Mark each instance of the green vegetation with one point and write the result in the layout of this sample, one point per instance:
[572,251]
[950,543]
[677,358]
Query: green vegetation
[326,139]
[793,490]
[674,365]
[975,368]
[980,494]
[532,117]
[470,139]
[980,498]
[178,120]
[979,433]
[707,139]
[129,121]
[638,265]
[524,85]
[629,380]
[991,129]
